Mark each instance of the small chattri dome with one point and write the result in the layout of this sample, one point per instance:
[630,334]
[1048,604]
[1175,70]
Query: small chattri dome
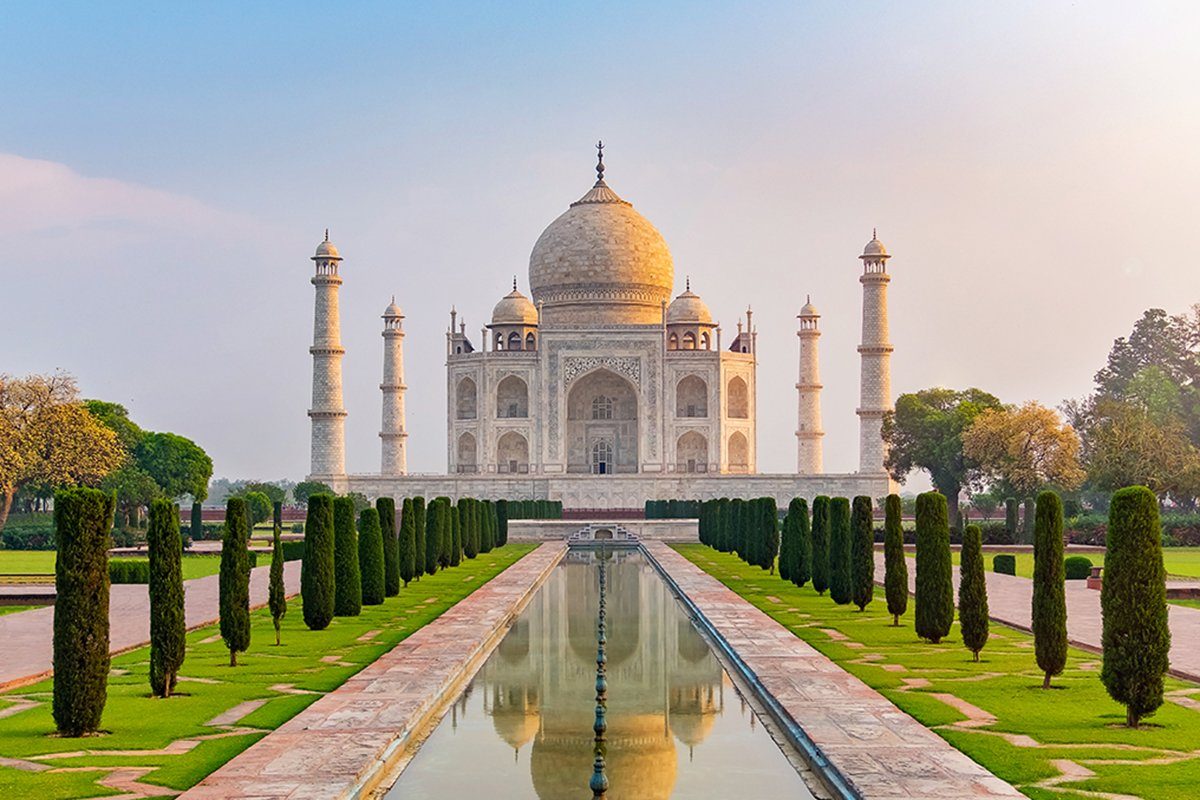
[874,248]
[392,310]
[809,310]
[515,309]
[688,308]
[326,249]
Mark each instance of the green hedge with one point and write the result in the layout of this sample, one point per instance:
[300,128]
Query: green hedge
[137,570]
[672,509]
[1004,564]
[535,509]
[1077,568]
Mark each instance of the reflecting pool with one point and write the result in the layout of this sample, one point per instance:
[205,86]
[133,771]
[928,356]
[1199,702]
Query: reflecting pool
[677,727]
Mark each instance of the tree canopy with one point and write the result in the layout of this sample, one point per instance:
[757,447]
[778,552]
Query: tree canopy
[1026,447]
[176,463]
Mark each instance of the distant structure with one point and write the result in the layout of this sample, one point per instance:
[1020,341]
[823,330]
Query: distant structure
[808,390]
[327,413]
[600,389]
[875,383]
[392,432]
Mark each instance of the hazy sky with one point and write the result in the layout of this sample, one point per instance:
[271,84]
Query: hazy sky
[166,171]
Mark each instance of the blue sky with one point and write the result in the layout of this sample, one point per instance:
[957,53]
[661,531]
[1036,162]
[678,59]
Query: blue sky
[167,169]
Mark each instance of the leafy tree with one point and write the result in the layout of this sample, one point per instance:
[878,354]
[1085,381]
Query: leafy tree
[895,565]
[276,593]
[926,432]
[1025,448]
[178,465]
[972,592]
[820,544]
[135,490]
[303,490]
[317,574]
[840,588]
[258,505]
[862,552]
[273,491]
[386,506]
[935,587]
[347,580]
[48,438]
[168,627]
[115,417]
[370,557]
[1049,590]
[407,544]
[419,518]
[360,501]
[985,503]
[1136,638]
[1169,343]
[234,580]
[82,520]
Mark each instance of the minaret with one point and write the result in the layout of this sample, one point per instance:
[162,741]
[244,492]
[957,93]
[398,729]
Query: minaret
[327,412]
[392,432]
[808,388]
[875,393]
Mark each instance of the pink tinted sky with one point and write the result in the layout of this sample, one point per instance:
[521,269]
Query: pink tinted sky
[1032,167]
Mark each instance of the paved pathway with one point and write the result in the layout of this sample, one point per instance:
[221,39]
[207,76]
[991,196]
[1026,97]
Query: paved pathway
[882,750]
[28,652]
[343,744]
[1010,600]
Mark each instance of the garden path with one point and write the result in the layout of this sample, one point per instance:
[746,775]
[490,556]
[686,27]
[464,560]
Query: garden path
[1010,600]
[28,637]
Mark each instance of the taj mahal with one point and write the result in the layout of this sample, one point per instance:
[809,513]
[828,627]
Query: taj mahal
[599,388]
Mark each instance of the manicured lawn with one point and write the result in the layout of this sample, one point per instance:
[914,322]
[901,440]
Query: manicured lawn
[1074,721]
[14,609]
[1188,603]
[42,562]
[287,678]
[1182,562]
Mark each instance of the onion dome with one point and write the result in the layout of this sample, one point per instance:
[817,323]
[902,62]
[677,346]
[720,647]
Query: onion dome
[326,250]
[687,309]
[874,248]
[514,309]
[601,262]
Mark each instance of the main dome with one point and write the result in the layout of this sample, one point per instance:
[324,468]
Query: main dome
[601,263]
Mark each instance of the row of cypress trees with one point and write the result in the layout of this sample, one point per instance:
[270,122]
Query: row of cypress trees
[347,566]
[749,528]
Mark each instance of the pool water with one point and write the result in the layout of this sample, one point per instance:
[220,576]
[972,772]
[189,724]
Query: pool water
[677,726]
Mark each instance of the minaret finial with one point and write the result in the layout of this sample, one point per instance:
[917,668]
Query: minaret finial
[807,299]
[600,162]
[874,236]
[514,283]
[327,234]
[687,283]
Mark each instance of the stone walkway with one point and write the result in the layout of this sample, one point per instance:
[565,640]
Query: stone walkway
[882,750]
[1010,600]
[28,636]
[342,745]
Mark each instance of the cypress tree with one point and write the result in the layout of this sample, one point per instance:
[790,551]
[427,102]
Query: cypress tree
[862,552]
[234,580]
[277,511]
[197,528]
[1049,588]
[407,543]
[820,544]
[82,521]
[434,521]
[1010,519]
[168,628]
[316,572]
[347,581]
[769,542]
[1136,638]
[386,506]
[276,594]
[370,556]
[501,523]
[802,550]
[972,592]
[895,571]
[470,540]
[1028,530]
[722,524]
[420,516]
[840,587]
[935,579]
[456,534]
[477,525]
[787,547]
[487,530]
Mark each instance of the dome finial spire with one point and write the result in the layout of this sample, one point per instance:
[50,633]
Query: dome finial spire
[327,234]
[874,235]
[514,283]
[599,163]
[687,283]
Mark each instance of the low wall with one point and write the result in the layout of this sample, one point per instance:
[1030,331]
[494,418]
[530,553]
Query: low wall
[613,491]
[665,530]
